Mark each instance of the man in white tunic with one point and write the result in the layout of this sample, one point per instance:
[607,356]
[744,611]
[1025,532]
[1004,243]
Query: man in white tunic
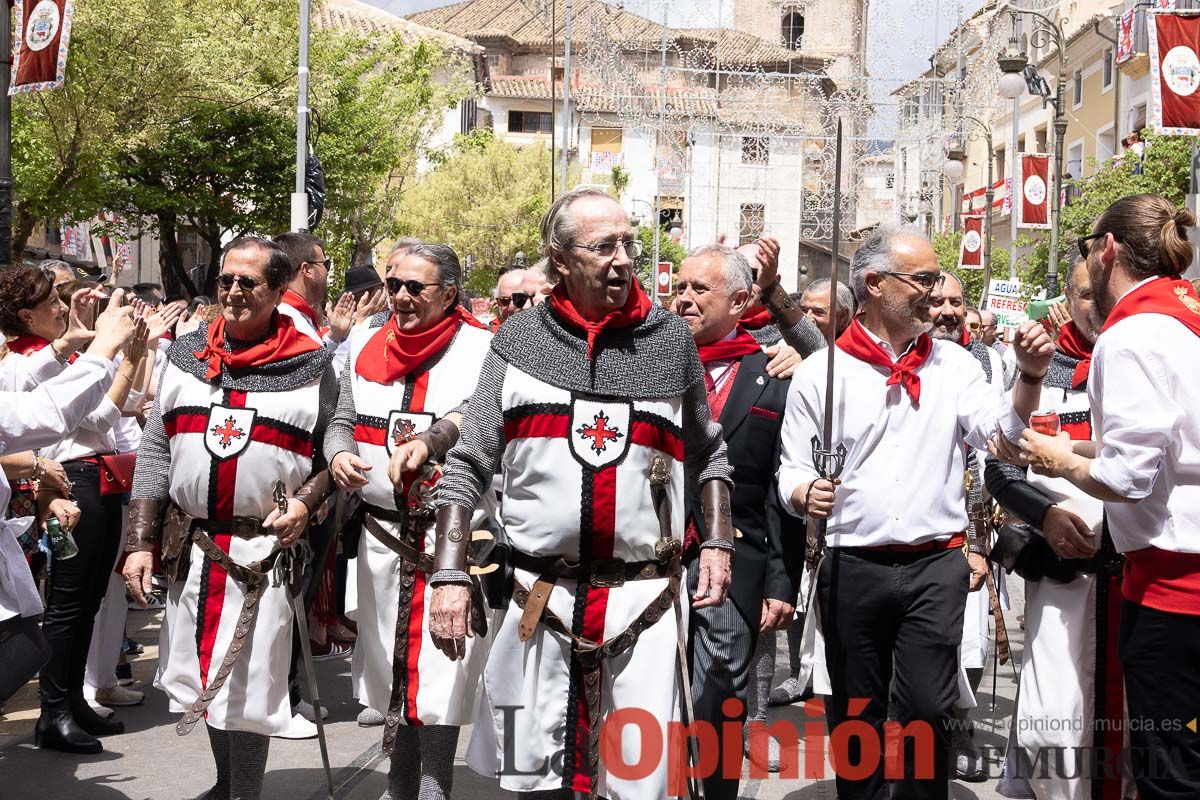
[241,405]
[591,406]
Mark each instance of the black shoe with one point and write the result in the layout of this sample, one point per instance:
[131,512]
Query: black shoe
[58,731]
[93,723]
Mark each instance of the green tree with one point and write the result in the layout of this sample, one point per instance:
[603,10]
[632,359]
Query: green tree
[668,250]
[947,245]
[376,101]
[484,201]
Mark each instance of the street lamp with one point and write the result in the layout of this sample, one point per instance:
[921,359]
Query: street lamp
[1012,63]
[953,170]
[989,195]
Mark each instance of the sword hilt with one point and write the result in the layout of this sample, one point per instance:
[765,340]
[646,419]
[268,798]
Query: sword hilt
[828,463]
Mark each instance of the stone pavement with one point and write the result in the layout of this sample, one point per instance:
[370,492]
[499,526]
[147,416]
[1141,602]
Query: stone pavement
[149,762]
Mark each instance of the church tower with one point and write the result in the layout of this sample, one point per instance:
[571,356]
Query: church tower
[830,29]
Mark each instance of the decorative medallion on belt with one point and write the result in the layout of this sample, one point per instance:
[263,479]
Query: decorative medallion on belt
[599,432]
[404,425]
[227,432]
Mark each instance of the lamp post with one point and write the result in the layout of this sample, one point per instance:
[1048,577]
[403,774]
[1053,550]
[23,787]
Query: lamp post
[953,170]
[989,195]
[1012,63]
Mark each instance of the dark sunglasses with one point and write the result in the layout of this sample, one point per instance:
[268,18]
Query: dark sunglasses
[519,299]
[1083,242]
[414,288]
[328,263]
[246,284]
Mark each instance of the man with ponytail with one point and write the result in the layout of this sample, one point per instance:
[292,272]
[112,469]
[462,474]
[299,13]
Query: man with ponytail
[409,372]
[1145,465]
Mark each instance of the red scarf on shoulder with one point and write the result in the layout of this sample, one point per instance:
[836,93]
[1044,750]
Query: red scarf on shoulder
[391,353]
[300,304]
[634,312]
[1072,344]
[1170,296]
[284,342]
[28,343]
[728,349]
[756,320]
[857,342]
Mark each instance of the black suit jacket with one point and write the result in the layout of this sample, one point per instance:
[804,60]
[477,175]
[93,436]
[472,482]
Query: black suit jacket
[770,551]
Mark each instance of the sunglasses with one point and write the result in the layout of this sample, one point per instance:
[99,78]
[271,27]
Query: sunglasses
[245,283]
[519,299]
[414,288]
[1083,242]
[327,263]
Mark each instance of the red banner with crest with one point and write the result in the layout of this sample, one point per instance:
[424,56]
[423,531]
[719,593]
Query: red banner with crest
[1033,195]
[40,52]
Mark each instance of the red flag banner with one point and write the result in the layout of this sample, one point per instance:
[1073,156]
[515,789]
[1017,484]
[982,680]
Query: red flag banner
[40,53]
[970,255]
[1125,36]
[1033,198]
[663,278]
[1175,73]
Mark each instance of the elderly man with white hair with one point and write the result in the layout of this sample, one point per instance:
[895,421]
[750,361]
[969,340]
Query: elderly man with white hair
[593,409]
[893,583]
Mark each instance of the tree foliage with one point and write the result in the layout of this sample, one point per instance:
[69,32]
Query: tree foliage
[947,245]
[486,200]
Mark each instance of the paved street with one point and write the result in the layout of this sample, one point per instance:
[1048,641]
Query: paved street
[150,762]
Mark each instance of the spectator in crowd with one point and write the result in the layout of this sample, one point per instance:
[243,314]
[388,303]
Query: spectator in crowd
[814,302]
[510,296]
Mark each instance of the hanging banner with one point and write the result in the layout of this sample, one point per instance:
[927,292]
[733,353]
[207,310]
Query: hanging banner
[1125,37]
[663,278]
[1006,206]
[40,52]
[1033,208]
[977,200]
[1174,73]
[970,255]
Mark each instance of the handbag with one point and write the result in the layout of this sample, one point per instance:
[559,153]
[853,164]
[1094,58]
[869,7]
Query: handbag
[1021,548]
[23,652]
[116,473]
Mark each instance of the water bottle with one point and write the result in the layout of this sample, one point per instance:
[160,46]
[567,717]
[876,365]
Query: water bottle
[61,542]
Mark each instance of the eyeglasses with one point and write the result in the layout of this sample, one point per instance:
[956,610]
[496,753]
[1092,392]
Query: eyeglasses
[973,326]
[413,287]
[926,280]
[327,263]
[245,283]
[633,248]
[1083,242]
[519,299]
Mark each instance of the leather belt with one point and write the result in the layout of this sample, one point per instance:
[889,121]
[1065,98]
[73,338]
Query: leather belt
[406,550]
[254,579]
[241,527]
[955,542]
[605,573]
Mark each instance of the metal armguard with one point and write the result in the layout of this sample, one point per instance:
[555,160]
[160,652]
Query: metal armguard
[452,539]
[145,529]
[714,499]
[439,438]
[316,491]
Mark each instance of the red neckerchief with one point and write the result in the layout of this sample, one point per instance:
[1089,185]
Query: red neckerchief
[28,343]
[753,321]
[300,304]
[391,353]
[855,341]
[728,349]
[637,306]
[469,318]
[284,342]
[964,338]
[1072,344]
[1175,298]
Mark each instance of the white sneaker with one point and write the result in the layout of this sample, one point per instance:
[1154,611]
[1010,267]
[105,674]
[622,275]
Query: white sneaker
[101,711]
[119,696]
[300,728]
[306,710]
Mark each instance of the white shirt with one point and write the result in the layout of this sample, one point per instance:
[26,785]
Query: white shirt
[903,477]
[1145,394]
[20,373]
[341,350]
[30,420]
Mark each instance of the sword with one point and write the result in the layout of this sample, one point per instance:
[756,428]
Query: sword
[279,495]
[827,459]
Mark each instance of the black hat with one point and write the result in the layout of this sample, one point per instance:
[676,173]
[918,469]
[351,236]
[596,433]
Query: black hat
[360,279]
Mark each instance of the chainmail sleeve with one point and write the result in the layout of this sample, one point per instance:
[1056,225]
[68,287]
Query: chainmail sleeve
[804,337]
[151,472]
[339,433]
[472,462]
[327,405]
[704,450]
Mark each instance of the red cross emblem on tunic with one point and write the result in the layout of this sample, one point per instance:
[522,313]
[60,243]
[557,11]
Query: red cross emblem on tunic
[228,432]
[403,431]
[599,433]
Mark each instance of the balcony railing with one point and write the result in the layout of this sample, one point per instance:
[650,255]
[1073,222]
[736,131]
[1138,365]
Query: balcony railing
[1136,63]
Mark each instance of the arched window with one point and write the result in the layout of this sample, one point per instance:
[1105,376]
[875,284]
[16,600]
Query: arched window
[793,30]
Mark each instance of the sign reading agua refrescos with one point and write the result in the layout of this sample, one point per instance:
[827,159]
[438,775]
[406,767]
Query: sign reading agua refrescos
[1005,301]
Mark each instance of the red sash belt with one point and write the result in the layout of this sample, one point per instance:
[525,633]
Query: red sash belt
[955,542]
[1163,580]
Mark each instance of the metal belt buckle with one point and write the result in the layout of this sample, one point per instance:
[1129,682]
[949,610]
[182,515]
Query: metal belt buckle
[606,573]
[666,549]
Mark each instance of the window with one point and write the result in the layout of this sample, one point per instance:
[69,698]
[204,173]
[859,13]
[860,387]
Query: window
[1108,69]
[751,223]
[557,74]
[1074,161]
[756,150]
[793,30]
[529,122]
[1077,88]
[493,62]
[1000,163]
